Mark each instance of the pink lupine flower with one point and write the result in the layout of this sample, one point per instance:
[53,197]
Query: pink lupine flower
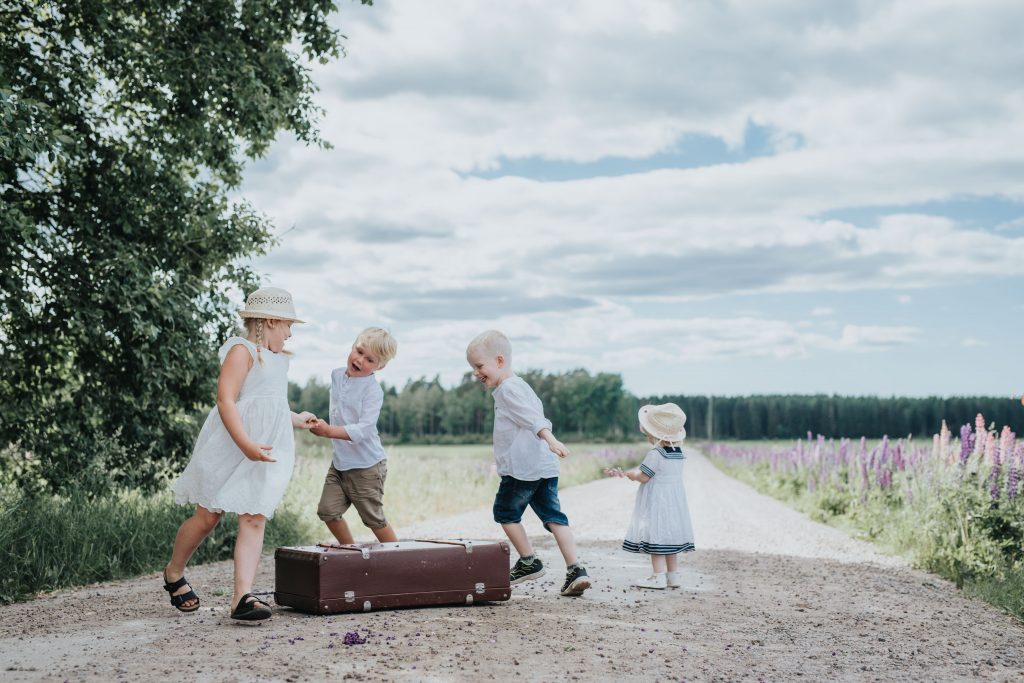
[979,430]
[1006,441]
[944,437]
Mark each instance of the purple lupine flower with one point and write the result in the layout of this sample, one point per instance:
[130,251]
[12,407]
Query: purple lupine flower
[1013,478]
[353,638]
[991,451]
[966,444]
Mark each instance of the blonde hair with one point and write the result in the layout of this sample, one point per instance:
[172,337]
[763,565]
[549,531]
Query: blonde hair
[493,343]
[254,328]
[380,343]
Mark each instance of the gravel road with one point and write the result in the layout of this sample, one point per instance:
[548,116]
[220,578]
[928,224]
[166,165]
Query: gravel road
[769,595]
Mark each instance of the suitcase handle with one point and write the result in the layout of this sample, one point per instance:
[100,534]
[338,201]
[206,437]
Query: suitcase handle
[338,546]
[468,545]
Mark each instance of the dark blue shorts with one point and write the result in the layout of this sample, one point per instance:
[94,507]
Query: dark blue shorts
[542,495]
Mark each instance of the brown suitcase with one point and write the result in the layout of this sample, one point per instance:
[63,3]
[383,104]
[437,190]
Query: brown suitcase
[330,578]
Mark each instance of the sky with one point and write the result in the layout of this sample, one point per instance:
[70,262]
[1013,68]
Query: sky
[703,197]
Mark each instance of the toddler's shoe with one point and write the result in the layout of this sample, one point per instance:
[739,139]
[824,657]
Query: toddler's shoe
[673,579]
[576,581]
[526,572]
[656,581]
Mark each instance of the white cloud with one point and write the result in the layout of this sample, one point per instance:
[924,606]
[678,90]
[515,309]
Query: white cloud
[391,227]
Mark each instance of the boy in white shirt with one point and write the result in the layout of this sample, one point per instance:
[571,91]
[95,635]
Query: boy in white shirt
[359,466]
[524,451]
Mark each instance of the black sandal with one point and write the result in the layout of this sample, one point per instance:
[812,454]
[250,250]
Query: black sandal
[247,609]
[179,600]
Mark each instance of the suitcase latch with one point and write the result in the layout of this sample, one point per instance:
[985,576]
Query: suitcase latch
[469,547]
[479,588]
[350,596]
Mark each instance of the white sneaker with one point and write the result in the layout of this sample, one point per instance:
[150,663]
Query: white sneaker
[673,579]
[656,581]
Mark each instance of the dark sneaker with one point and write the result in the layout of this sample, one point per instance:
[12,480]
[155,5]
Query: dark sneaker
[526,572]
[576,581]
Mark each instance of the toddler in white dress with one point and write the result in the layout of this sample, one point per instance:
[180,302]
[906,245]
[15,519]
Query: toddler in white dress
[243,458]
[661,524]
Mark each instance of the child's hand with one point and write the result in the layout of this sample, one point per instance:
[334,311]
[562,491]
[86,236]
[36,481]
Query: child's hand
[558,448]
[259,452]
[319,428]
[306,419]
[615,472]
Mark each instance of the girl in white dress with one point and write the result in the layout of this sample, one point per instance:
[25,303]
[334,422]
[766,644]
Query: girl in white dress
[661,519]
[243,457]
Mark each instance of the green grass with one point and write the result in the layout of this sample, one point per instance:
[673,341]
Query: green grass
[51,542]
[426,482]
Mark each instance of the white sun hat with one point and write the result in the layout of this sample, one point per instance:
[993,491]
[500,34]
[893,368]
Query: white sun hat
[665,422]
[270,302]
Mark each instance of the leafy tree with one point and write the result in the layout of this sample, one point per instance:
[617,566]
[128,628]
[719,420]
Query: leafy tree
[125,125]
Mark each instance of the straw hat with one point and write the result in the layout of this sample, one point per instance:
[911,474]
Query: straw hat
[664,422]
[270,302]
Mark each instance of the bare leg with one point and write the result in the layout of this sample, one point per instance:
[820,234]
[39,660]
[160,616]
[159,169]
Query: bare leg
[248,548]
[673,562]
[658,564]
[566,542]
[191,533]
[385,534]
[517,536]
[339,528]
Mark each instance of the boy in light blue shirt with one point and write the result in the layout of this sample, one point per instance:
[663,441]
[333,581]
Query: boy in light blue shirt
[359,466]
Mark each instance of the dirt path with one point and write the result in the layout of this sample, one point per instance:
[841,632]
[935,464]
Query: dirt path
[768,596]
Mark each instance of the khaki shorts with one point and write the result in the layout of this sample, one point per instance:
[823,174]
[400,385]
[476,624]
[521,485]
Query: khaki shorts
[362,487]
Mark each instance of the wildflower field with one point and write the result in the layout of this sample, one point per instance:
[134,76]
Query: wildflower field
[953,506]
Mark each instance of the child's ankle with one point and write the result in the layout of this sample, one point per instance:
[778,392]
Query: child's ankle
[528,559]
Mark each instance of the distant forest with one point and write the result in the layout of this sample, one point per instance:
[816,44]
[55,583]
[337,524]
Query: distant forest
[583,406]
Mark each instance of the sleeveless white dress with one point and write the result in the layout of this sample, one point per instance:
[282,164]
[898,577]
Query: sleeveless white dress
[219,477]
[661,518]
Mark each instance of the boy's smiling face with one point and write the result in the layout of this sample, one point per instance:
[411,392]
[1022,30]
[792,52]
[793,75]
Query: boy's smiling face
[488,370]
[361,361]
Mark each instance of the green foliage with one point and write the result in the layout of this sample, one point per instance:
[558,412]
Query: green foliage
[50,542]
[792,416]
[584,406]
[580,405]
[123,127]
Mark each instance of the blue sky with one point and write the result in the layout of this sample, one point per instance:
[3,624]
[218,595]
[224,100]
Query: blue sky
[723,198]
